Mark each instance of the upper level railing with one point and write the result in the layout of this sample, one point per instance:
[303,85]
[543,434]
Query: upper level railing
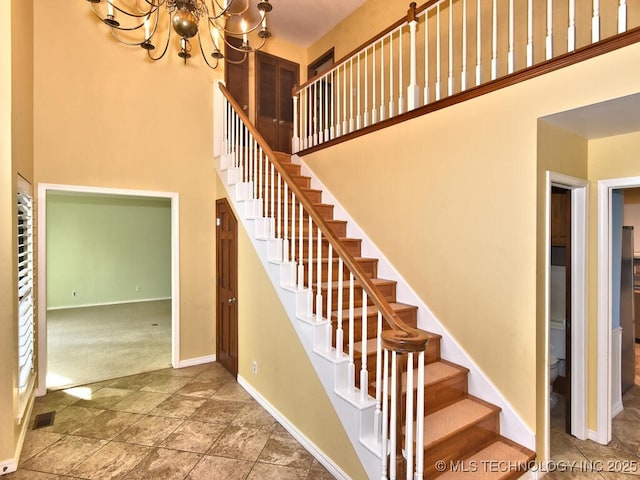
[444,48]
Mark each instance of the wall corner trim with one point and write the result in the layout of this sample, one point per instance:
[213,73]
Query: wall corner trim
[8,466]
[191,362]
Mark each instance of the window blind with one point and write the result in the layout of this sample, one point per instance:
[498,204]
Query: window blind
[26,322]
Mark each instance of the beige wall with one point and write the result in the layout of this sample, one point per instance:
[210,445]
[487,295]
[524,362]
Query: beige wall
[105,116]
[473,209]
[285,375]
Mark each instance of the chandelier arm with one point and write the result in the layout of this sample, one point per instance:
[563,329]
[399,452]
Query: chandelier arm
[236,33]
[166,45]
[236,62]
[204,55]
[244,50]
[214,4]
[130,14]
[151,4]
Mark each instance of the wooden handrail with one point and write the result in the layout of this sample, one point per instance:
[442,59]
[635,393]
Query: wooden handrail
[402,338]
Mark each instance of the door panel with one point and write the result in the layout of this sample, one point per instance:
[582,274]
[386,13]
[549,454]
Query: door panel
[275,79]
[227,285]
[236,75]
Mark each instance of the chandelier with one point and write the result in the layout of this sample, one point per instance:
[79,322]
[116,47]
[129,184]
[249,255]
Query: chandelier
[149,24]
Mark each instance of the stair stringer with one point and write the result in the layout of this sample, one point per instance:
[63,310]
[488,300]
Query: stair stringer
[512,426]
[356,416]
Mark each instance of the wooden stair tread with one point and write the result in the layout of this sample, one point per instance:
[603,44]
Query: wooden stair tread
[433,373]
[453,418]
[497,461]
[345,283]
[372,310]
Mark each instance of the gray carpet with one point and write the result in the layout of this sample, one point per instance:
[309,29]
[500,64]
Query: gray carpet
[93,344]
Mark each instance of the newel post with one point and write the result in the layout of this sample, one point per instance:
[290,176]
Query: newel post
[413,92]
[295,141]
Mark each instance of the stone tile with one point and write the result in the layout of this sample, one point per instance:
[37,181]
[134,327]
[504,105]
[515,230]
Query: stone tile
[140,402]
[613,454]
[194,436]
[202,387]
[574,475]
[103,398]
[165,464]
[262,471]
[166,384]
[215,372]
[232,391]
[24,474]
[563,448]
[253,416]
[627,432]
[58,397]
[283,449]
[63,455]
[72,418]
[319,472]
[36,441]
[178,406]
[107,425]
[39,408]
[220,468]
[218,411]
[149,430]
[133,382]
[241,443]
[192,371]
[113,461]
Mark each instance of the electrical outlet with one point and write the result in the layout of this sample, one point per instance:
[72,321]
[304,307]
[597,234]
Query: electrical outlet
[255,367]
[74,293]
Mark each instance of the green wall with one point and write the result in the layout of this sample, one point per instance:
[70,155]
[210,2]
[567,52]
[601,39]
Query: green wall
[107,249]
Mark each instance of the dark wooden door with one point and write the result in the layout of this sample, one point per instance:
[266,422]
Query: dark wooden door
[275,79]
[227,285]
[236,73]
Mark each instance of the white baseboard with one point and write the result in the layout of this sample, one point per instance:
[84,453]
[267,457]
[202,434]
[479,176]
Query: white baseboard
[8,466]
[191,362]
[84,305]
[311,447]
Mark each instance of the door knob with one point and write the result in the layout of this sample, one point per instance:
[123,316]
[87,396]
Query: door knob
[232,300]
[275,120]
[281,122]
[244,108]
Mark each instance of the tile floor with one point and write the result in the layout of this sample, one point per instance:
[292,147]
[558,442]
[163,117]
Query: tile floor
[621,457]
[193,423]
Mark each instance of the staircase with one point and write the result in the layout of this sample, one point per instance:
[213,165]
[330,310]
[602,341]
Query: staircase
[342,329]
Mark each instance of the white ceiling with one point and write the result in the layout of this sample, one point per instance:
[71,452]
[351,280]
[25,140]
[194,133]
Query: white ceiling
[302,22]
[605,119]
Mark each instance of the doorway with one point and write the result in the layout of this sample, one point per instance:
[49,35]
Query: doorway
[43,191]
[567,249]
[236,72]
[609,385]
[226,287]
[275,80]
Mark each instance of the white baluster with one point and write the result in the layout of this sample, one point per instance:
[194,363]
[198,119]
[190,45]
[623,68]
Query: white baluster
[400,74]
[316,108]
[339,329]
[344,100]
[285,203]
[364,373]
[366,88]
[463,77]
[622,16]
[426,59]
[391,104]
[420,419]
[310,269]
[295,141]
[261,186]
[379,377]
[595,22]
[327,119]
[255,168]
[351,119]
[494,41]
[408,428]
[413,92]
[438,54]
[549,38]
[319,278]
[300,248]
[392,417]
[329,296]
[478,44]
[450,78]
[384,448]
[332,93]
[382,102]
[293,231]
[272,212]
[374,103]
[510,56]
[571,32]
[279,205]
[358,90]
[337,90]
[529,33]
[352,365]
[320,108]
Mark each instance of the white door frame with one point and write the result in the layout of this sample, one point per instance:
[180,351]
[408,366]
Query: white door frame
[579,307]
[603,416]
[43,189]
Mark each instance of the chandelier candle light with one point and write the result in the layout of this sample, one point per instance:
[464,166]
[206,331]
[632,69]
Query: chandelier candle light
[129,20]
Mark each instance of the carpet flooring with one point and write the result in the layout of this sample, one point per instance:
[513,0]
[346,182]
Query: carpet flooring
[92,344]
